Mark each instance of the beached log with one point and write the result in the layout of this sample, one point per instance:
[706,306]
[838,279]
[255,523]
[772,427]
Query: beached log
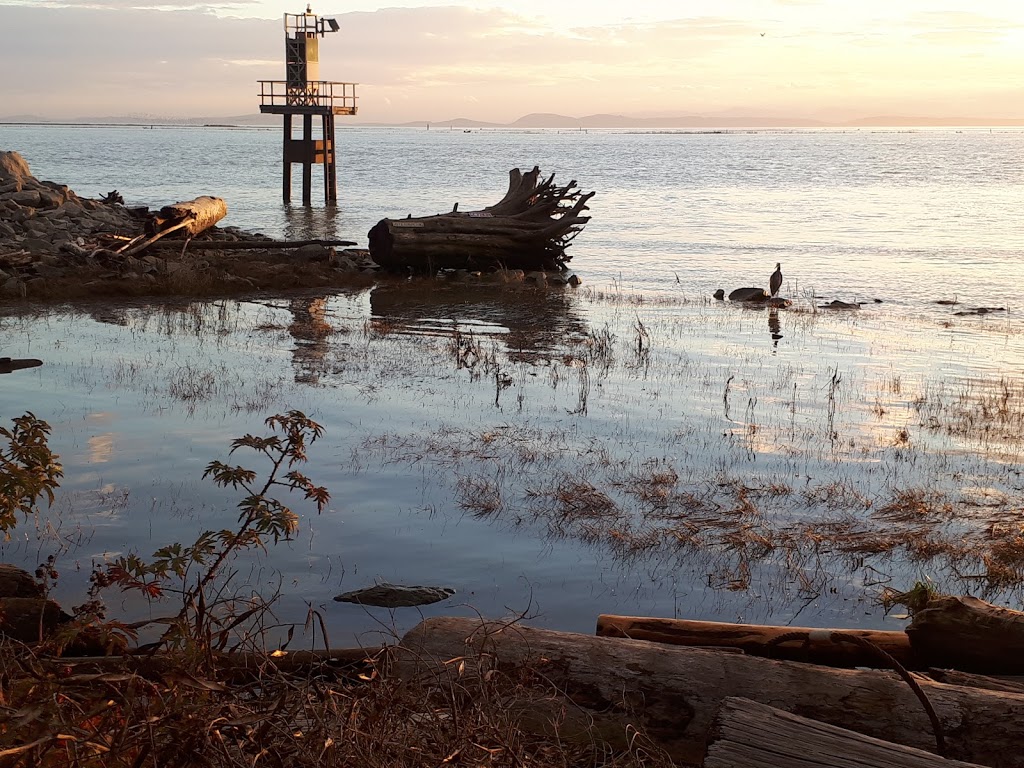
[29,619]
[1009,684]
[256,245]
[761,640]
[970,635]
[672,693]
[17,582]
[190,217]
[196,215]
[530,228]
[747,734]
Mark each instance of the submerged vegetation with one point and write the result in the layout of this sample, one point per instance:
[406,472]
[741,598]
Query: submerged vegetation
[676,442]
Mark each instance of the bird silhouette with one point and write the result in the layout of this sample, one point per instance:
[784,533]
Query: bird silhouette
[776,280]
[762,34]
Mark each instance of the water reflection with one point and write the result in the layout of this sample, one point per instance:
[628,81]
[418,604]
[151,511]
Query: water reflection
[532,323]
[304,223]
[311,331]
[774,328]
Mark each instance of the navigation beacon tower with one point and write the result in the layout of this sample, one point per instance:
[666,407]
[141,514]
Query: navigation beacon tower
[304,93]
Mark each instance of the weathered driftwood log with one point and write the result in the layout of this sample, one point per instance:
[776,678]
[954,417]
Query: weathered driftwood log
[672,693]
[970,680]
[195,216]
[15,581]
[530,228]
[255,245]
[758,640]
[29,619]
[747,734]
[969,634]
[190,216]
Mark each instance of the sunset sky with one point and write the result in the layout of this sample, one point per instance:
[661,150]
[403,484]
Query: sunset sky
[497,60]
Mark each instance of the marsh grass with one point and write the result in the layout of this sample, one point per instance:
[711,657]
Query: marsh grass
[670,433]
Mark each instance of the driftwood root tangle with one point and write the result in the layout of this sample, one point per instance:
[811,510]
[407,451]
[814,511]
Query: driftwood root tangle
[530,228]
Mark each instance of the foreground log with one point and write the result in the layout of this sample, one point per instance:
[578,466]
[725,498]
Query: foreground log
[969,680]
[29,619]
[760,640]
[530,228]
[673,693]
[15,581]
[970,635]
[746,734]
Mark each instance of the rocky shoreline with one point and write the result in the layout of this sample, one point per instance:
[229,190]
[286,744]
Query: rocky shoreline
[56,245]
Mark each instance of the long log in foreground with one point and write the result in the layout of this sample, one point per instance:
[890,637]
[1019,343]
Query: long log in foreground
[530,228]
[969,634]
[761,640]
[747,734]
[673,693]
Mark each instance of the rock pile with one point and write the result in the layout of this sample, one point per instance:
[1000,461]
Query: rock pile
[54,244]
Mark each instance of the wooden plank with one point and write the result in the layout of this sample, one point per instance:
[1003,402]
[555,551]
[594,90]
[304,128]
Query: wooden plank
[747,734]
[760,640]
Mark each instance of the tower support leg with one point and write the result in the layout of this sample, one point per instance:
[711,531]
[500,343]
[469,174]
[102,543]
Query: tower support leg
[307,163]
[286,160]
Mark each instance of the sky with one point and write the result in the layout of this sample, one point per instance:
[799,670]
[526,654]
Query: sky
[496,60]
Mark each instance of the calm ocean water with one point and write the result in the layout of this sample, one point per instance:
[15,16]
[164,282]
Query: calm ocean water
[902,216]
[832,407]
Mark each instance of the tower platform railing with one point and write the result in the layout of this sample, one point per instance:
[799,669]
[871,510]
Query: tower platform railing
[318,97]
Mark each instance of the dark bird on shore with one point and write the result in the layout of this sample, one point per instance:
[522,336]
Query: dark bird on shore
[776,280]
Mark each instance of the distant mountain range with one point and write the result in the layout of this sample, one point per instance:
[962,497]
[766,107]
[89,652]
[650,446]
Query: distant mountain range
[554,121]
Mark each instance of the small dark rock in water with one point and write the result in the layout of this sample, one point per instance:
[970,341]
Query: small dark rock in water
[7,365]
[719,294]
[877,301]
[396,595]
[836,304]
[981,311]
[749,294]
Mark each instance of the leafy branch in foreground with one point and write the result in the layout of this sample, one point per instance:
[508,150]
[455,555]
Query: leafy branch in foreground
[29,470]
[262,517]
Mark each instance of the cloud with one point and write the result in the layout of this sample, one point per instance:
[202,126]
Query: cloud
[437,62]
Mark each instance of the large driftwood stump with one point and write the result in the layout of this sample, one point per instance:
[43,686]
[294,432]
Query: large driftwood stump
[751,735]
[761,640]
[969,634]
[530,228]
[673,693]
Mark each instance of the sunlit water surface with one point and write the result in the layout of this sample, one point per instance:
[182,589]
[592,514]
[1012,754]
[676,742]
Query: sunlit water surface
[461,424]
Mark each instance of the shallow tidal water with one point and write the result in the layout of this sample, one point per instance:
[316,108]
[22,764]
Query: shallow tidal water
[630,446]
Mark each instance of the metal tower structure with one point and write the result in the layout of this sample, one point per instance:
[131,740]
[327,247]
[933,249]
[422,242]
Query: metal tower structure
[304,93]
